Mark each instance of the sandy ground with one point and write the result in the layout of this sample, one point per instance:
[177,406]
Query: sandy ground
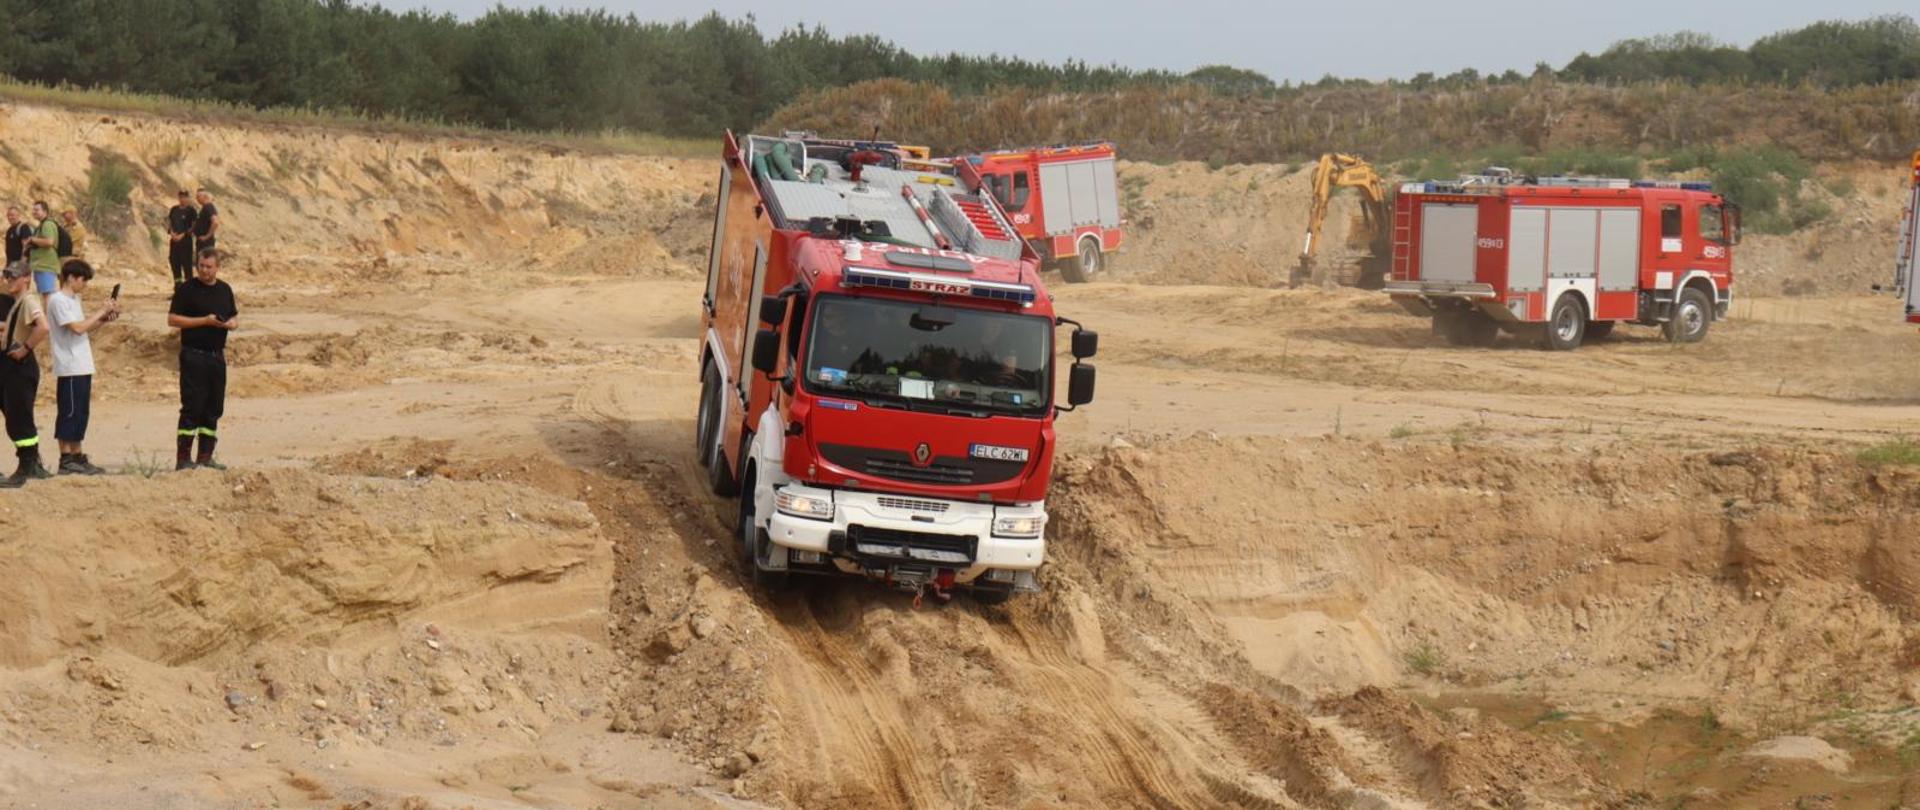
[1305,554]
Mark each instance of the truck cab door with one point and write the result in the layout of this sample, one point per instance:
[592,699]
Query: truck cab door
[1713,241]
[1666,252]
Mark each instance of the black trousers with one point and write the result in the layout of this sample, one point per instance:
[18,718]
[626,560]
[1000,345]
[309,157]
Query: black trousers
[19,383]
[180,258]
[203,391]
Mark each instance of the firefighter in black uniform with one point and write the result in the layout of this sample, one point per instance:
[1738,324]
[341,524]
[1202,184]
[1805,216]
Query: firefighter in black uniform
[26,329]
[180,219]
[203,310]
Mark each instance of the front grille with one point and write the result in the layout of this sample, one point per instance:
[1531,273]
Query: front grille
[894,544]
[944,471]
[912,505]
[930,474]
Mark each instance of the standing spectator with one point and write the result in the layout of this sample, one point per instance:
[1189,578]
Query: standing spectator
[73,363]
[180,221]
[17,235]
[206,225]
[203,310]
[20,376]
[43,255]
[76,235]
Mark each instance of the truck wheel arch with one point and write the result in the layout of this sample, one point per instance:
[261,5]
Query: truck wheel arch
[1704,283]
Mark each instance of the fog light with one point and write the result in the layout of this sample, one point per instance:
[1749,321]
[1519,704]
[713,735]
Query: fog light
[1002,574]
[806,557]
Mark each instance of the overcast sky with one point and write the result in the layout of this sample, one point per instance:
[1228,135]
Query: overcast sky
[1371,39]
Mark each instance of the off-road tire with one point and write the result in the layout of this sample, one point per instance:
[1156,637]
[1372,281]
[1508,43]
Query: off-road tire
[1565,326]
[1692,316]
[709,413]
[1468,327]
[719,478]
[1086,263]
[753,541]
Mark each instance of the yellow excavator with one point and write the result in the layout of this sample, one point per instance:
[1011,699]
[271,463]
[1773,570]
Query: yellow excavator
[1371,230]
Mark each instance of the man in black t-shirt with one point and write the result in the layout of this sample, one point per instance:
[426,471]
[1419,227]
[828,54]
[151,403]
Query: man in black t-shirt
[18,231]
[204,311]
[206,224]
[180,221]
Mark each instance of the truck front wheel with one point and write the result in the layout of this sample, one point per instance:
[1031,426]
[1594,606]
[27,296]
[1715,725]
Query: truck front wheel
[754,540]
[1567,325]
[1692,314]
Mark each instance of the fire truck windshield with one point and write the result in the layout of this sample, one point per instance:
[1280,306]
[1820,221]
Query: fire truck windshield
[885,351]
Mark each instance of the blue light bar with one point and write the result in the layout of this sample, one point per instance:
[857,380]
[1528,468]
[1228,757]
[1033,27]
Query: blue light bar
[938,285]
[1684,185]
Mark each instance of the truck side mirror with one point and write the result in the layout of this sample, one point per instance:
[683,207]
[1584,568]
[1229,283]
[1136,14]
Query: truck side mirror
[1086,343]
[773,309]
[766,351]
[1079,385]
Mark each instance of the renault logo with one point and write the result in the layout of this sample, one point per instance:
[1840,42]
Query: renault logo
[922,454]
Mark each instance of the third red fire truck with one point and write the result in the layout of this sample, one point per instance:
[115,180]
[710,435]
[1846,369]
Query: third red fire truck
[1063,200]
[1562,260]
[1906,258]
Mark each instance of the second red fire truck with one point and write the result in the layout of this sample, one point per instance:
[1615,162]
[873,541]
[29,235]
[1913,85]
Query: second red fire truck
[1063,200]
[879,370]
[1562,260]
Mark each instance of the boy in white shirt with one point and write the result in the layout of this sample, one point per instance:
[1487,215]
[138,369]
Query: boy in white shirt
[73,363]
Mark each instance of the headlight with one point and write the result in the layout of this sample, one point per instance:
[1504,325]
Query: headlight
[806,506]
[1025,526]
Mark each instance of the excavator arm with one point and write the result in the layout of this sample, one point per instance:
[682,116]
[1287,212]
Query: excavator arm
[1906,262]
[1334,172]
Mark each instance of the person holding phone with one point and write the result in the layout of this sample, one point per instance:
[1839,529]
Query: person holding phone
[203,310]
[73,362]
[26,329]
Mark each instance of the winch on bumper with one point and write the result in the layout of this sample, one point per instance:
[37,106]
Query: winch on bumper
[906,540]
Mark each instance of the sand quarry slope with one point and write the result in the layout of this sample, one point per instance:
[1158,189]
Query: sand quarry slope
[1305,554]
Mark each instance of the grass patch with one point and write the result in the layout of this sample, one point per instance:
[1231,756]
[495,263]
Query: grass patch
[1425,659]
[217,112]
[107,198]
[146,464]
[1900,452]
[1400,432]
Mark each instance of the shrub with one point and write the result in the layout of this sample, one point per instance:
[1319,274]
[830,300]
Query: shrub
[1898,452]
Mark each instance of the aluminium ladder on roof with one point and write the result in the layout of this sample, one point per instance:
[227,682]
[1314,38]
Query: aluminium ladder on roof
[1907,252]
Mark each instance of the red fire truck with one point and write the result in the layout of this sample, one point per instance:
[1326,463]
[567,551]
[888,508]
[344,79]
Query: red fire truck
[878,370]
[1063,200]
[1562,260]
[1906,256]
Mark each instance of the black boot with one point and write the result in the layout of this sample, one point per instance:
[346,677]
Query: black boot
[87,466]
[183,453]
[19,477]
[206,454]
[31,463]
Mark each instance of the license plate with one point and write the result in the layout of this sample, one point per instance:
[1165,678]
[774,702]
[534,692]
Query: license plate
[997,453]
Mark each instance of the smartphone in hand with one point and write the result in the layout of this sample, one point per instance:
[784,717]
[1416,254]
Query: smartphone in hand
[115,295]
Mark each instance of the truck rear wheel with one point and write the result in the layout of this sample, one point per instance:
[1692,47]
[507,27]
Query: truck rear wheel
[719,478]
[1087,264]
[1466,327]
[1566,326]
[707,415]
[1692,315]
